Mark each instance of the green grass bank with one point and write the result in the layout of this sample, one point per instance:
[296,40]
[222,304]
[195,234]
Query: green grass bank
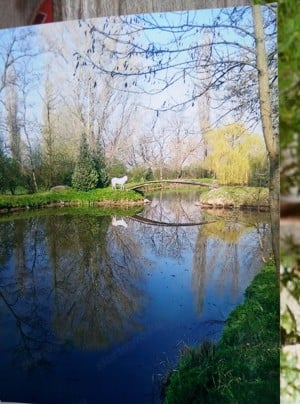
[70,197]
[243,367]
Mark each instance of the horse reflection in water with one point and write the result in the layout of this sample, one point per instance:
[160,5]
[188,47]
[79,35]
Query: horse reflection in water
[119,181]
[119,222]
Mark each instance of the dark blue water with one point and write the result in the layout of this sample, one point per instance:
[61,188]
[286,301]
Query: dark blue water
[95,309]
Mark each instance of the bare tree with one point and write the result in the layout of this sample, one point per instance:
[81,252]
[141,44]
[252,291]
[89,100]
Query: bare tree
[12,124]
[49,135]
[15,48]
[29,128]
[214,63]
[185,143]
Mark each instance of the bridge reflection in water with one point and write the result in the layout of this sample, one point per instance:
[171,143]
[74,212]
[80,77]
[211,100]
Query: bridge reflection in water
[152,222]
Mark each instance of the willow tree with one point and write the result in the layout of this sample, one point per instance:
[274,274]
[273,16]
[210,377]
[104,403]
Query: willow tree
[233,152]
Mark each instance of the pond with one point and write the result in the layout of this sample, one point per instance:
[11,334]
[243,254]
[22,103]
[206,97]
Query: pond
[95,307]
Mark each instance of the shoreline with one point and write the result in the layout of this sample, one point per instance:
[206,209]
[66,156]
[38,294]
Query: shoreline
[127,204]
[70,198]
[230,206]
[74,204]
[233,368]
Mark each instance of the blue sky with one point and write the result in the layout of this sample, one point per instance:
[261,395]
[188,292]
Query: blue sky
[70,37]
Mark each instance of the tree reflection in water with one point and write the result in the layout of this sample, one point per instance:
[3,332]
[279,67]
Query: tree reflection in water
[72,280]
[97,282]
[227,254]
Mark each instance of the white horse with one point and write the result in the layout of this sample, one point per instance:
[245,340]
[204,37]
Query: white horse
[119,222]
[119,181]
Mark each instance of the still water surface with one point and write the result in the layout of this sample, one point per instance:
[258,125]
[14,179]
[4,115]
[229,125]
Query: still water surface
[95,309]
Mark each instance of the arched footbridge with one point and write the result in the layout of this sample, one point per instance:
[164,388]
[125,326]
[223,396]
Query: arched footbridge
[148,184]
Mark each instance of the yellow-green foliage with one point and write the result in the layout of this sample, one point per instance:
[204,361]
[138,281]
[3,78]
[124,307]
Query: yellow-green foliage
[234,153]
[228,232]
[289,65]
[289,90]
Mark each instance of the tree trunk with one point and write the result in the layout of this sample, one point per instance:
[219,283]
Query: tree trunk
[271,138]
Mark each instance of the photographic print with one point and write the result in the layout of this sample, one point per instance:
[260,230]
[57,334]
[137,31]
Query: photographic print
[139,184]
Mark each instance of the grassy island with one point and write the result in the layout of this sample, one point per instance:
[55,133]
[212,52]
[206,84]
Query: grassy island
[70,197]
[236,197]
[243,367]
